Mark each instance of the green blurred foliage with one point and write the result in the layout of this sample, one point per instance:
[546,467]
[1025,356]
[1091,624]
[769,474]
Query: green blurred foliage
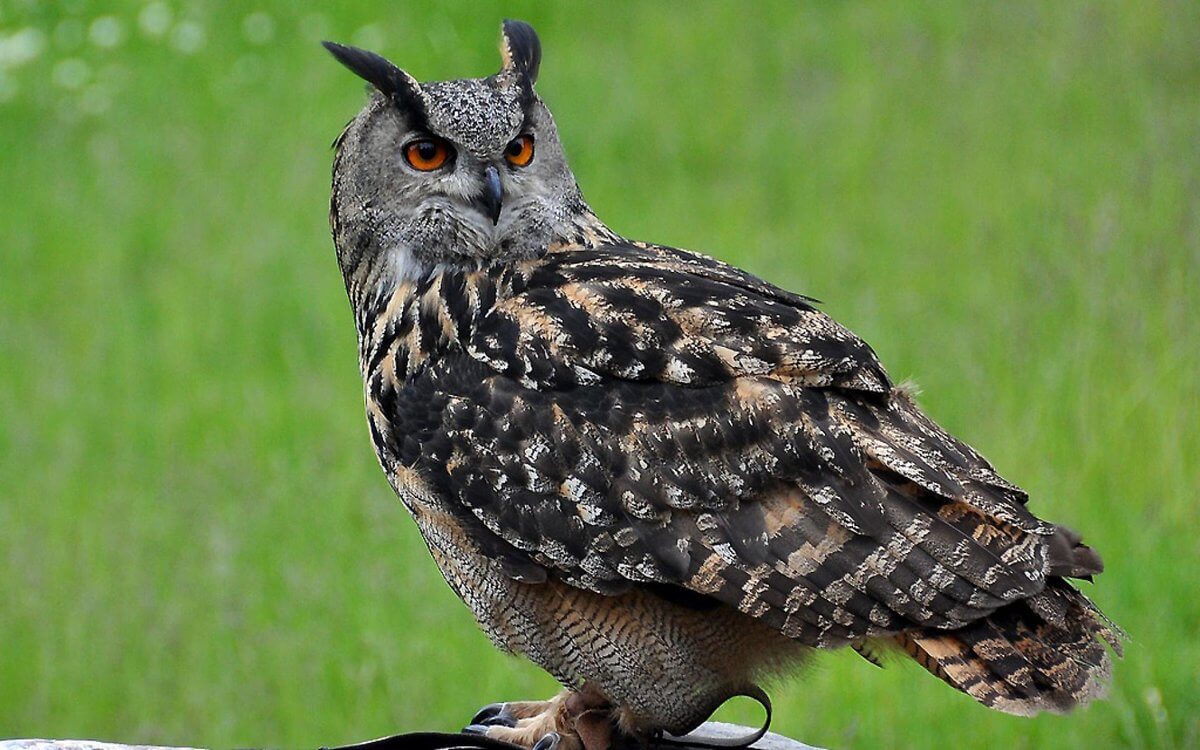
[196,545]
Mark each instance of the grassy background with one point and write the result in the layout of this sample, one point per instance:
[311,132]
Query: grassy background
[196,545]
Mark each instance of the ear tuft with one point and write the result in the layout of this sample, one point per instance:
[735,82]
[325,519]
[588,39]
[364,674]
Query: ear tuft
[520,49]
[381,73]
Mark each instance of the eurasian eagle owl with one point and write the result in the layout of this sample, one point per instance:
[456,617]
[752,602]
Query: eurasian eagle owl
[655,475]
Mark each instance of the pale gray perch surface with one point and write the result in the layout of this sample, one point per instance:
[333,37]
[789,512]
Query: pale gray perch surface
[713,729]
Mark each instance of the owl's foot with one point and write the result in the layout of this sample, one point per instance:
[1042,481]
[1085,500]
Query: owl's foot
[571,720]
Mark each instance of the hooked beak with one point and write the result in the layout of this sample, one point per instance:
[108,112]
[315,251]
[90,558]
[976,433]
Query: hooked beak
[489,199]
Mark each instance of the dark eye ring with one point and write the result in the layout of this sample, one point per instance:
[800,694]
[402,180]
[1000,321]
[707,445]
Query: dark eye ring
[427,154]
[519,151]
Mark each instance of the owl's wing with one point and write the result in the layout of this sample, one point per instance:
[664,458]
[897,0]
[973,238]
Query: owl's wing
[654,418]
[829,518]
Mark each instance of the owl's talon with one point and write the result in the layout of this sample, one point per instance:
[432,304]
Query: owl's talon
[546,725]
[549,741]
[494,715]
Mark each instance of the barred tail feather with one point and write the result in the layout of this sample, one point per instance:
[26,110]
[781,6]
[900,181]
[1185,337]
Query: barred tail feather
[1047,653]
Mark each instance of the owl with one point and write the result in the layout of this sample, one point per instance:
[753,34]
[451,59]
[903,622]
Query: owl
[657,476]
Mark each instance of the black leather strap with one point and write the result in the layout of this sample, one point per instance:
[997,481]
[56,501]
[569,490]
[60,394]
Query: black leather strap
[698,738]
[431,741]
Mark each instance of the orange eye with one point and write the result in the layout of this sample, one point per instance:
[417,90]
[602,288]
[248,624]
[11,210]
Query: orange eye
[519,151]
[427,154]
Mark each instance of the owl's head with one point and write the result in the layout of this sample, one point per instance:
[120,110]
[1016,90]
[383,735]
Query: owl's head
[449,172]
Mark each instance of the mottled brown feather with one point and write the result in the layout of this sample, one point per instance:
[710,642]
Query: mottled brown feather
[633,414]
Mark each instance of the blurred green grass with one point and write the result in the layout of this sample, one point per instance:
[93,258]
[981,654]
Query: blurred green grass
[196,545]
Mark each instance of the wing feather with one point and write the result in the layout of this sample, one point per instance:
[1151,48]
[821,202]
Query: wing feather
[645,416]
